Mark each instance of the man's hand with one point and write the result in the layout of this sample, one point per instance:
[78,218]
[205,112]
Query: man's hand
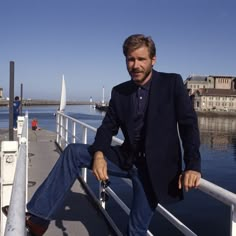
[99,166]
[189,179]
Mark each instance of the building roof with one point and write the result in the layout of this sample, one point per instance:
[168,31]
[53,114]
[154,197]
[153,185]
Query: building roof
[222,76]
[197,78]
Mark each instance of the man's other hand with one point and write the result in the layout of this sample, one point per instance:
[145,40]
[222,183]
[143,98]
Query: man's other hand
[99,166]
[189,179]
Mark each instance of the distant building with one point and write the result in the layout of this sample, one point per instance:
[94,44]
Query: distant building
[212,93]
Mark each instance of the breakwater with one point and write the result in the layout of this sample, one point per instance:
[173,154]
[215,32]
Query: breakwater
[41,102]
[216,113]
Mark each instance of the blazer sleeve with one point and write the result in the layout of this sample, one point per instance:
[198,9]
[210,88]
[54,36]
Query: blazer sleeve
[109,127]
[188,127]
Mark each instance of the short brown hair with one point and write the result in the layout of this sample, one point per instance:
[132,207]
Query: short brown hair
[136,41]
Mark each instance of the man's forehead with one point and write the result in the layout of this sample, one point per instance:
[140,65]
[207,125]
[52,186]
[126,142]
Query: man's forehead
[140,50]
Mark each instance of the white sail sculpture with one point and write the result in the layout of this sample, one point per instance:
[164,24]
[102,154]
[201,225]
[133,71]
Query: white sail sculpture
[63,95]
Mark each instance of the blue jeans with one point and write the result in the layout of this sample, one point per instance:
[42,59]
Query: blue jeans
[15,115]
[52,192]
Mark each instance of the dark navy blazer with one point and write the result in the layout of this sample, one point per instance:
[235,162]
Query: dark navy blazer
[169,115]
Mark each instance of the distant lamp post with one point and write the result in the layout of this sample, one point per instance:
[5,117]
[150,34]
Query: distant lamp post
[11,99]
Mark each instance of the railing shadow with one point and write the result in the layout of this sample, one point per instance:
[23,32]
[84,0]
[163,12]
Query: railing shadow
[73,210]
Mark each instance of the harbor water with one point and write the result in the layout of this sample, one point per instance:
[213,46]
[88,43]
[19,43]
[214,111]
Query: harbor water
[201,213]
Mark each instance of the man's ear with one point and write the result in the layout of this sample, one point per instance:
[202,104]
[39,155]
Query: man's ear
[154,59]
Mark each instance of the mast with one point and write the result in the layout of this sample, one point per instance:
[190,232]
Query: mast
[103,95]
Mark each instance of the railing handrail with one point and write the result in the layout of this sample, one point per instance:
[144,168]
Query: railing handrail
[217,192]
[15,225]
[205,186]
[78,121]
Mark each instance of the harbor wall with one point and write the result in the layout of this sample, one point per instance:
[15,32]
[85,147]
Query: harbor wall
[40,102]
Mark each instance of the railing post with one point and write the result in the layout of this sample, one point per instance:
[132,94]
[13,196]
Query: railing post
[20,123]
[66,132]
[84,140]
[233,220]
[61,130]
[58,126]
[73,132]
[9,152]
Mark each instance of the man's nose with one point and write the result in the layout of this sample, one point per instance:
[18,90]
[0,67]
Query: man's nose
[136,64]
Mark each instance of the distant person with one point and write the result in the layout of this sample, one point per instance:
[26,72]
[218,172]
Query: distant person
[16,111]
[153,110]
[34,124]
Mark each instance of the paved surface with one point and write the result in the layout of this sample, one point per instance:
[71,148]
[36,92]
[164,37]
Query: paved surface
[78,215]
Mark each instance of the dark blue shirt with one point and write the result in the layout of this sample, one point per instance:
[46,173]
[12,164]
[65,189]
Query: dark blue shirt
[140,102]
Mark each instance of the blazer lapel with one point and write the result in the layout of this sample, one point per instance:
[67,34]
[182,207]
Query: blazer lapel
[155,103]
[156,94]
[130,110]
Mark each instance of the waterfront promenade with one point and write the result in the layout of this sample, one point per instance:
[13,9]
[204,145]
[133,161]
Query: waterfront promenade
[78,216]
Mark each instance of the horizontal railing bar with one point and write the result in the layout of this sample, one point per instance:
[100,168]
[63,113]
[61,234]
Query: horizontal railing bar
[117,140]
[117,199]
[217,192]
[175,221]
[121,203]
[15,224]
[79,122]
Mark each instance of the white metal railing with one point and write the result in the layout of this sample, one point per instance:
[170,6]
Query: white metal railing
[15,224]
[66,133]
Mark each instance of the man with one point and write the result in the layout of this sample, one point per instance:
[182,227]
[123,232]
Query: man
[152,110]
[16,111]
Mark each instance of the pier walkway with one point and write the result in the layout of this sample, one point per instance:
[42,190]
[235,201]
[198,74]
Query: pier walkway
[78,216]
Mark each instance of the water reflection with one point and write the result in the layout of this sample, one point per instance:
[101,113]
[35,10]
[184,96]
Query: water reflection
[217,124]
[218,133]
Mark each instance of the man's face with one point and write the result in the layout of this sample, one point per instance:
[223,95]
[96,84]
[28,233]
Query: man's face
[139,65]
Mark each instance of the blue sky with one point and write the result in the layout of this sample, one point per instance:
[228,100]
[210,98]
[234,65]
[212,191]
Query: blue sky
[82,39]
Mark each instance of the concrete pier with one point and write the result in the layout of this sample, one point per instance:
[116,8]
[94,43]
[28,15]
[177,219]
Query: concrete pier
[78,215]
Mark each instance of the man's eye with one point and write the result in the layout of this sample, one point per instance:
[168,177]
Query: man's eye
[130,59]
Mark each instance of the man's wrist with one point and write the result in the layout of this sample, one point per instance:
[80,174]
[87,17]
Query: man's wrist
[98,155]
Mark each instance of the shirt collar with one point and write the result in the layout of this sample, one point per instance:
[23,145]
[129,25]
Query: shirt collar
[147,85]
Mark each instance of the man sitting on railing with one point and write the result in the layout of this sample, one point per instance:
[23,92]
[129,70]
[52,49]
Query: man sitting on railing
[153,110]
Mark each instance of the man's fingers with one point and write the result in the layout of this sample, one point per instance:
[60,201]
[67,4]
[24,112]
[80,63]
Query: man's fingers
[100,169]
[180,181]
[189,179]
[197,181]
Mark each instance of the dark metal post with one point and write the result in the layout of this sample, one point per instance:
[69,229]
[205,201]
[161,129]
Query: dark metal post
[21,98]
[11,95]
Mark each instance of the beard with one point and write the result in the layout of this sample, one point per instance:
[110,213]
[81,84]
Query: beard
[139,76]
